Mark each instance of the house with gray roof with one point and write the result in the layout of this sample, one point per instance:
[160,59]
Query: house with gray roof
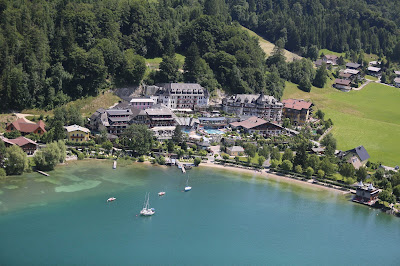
[358,156]
[353,65]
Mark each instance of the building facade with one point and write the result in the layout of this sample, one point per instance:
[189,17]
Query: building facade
[182,95]
[142,103]
[297,111]
[27,145]
[259,105]
[77,133]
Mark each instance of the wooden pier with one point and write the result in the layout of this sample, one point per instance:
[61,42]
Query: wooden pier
[181,166]
[43,173]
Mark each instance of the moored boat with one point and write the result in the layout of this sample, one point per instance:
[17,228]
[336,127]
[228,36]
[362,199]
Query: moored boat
[162,193]
[147,211]
[111,199]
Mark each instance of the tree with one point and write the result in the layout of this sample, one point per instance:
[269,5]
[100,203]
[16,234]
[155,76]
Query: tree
[274,163]
[327,166]
[169,69]
[58,131]
[320,114]
[16,160]
[107,145]
[250,150]
[178,136]
[298,169]
[237,159]
[225,157]
[305,84]
[287,165]
[133,69]
[320,77]
[301,152]
[63,150]
[288,155]
[387,196]
[330,144]
[361,174]
[264,151]
[275,154]
[203,153]
[47,158]
[261,161]
[170,146]
[309,171]
[379,174]
[12,134]
[313,161]
[286,123]
[347,170]
[197,161]
[320,173]
[138,138]
[396,191]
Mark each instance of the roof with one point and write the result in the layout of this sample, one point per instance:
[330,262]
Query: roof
[397,80]
[119,112]
[353,65]
[355,162]
[97,113]
[142,100]
[76,128]
[249,123]
[362,153]
[212,118]
[236,148]
[168,128]
[26,126]
[20,141]
[159,111]
[345,75]
[331,57]
[397,73]
[119,119]
[253,98]
[184,88]
[296,104]
[342,82]
[374,69]
[121,105]
[351,71]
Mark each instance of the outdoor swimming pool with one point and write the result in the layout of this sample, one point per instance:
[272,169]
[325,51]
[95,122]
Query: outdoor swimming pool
[213,131]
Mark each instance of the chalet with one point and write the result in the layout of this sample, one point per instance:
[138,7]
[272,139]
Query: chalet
[27,127]
[77,133]
[342,84]
[353,72]
[374,71]
[27,145]
[296,110]
[366,194]
[397,82]
[358,156]
[260,105]
[353,65]
[95,119]
[259,126]
[346,76]
[330,59]
[235,150]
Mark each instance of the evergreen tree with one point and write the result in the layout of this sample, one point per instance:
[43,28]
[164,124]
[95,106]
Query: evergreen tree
[320,76]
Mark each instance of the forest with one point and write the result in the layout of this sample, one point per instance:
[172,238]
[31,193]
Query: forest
[55,51]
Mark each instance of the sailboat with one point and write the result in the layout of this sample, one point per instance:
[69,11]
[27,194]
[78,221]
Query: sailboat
[147,211]
[187,188]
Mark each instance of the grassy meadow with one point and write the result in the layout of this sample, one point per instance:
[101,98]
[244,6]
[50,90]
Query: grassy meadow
[368,117]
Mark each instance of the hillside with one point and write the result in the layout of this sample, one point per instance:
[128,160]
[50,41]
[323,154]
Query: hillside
[268,47]
[368,117]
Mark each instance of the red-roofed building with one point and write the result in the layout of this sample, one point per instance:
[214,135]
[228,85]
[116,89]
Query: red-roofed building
[27,127]
[296,110]
[27,145]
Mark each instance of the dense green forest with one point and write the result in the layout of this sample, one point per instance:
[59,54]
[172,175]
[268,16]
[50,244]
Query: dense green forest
[54,51]
[338,25]
[58,50]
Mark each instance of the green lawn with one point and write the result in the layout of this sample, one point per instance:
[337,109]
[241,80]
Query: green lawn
[371,77]
[370,117]
[153,63]
[326,51]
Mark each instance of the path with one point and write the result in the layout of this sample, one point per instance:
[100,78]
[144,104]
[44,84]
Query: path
[323,135]
[362,86]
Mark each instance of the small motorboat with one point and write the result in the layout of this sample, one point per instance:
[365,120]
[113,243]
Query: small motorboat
[162,193]
[111,199]
[187,188]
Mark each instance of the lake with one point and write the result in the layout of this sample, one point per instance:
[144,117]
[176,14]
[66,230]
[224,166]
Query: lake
[228,218]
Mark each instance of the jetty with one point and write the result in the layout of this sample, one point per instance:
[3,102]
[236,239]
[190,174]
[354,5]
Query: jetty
[43,173]
[181,166]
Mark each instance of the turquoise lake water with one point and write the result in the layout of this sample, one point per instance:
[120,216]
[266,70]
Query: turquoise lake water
[228,218]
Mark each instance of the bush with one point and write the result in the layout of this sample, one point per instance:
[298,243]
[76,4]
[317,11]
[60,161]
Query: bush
[2,173]
[309,171]
[197,161]
[320,173]
[141,159]
[81,156]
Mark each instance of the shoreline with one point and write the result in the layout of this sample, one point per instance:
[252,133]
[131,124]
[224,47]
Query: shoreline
[265,175]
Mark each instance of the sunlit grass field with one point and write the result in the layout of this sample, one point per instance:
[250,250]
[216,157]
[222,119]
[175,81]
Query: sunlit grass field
[369,117]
